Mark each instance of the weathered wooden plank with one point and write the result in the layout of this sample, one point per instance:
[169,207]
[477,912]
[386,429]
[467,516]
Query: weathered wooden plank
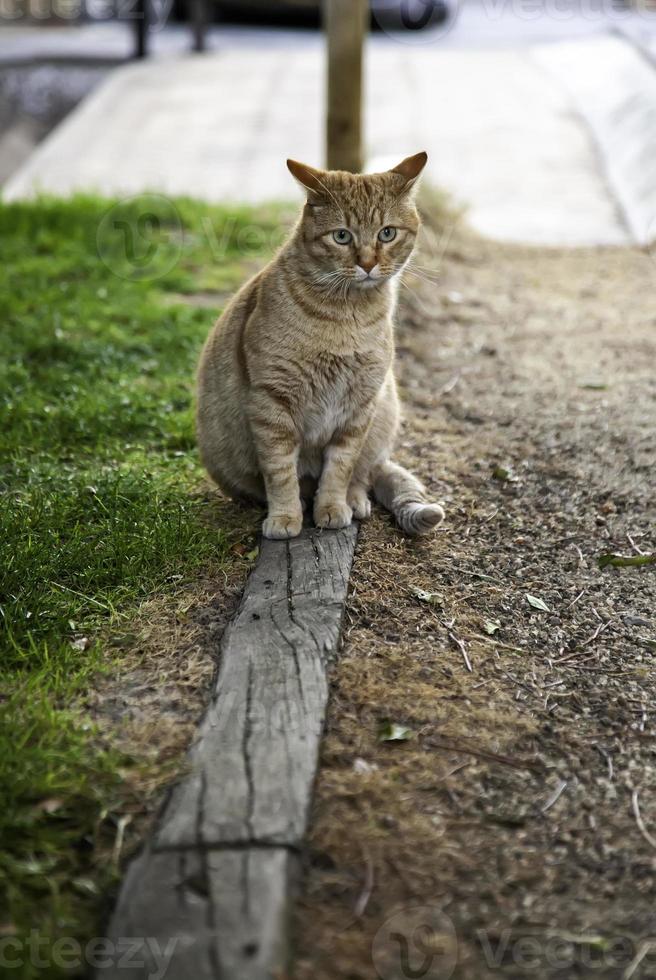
[252,768]
[196,915]
[210,897]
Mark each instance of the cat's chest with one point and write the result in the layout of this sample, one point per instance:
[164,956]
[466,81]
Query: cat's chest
[337,391]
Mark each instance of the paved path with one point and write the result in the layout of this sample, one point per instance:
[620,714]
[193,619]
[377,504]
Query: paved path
[507,129]
[502,135]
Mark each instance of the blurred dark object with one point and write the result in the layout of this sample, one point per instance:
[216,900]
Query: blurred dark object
[386,14]
[268,11]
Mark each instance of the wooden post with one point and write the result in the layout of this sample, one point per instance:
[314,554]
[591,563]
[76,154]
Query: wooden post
[346,23]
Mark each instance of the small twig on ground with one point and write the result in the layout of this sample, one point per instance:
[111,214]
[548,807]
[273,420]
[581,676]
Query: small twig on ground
[635,547]
[640,822]
[463,649]
[532,691]
[471,595]
[574,601]
[579,552]
[497,643]
[608,758]
[555,796]
[599,630]
[365,894]
[573,656]
[455,769]
[451,745]
[118,840]
[450,385]
[488,578]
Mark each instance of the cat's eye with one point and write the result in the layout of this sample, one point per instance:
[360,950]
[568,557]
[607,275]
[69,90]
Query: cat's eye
[342,236]
[387,234]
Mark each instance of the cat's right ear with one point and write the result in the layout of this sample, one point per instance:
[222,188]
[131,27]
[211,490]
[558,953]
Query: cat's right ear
[312,181]
[410,169]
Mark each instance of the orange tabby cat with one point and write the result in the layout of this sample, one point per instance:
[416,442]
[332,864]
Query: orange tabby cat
[296,386]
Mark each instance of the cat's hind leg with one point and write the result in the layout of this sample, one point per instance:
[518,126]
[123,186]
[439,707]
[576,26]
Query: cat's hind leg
[402,494]
[358,500]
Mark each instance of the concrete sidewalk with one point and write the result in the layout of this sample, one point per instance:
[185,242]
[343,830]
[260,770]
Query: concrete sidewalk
[503,129]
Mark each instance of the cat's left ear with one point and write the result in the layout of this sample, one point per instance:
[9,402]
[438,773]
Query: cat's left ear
[410,169]
[311,180]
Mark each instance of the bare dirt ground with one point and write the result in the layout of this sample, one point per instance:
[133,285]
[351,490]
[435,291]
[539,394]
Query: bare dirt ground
[513,833]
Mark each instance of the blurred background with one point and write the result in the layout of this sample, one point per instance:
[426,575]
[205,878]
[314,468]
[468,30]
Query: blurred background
[538,115]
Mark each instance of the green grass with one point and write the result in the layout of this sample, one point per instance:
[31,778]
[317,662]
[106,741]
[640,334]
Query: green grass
[98,504]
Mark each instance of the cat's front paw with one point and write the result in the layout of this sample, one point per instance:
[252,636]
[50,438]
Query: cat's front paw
[332,513]
[281,526]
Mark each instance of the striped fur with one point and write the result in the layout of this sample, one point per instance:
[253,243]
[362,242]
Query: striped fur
[296,387]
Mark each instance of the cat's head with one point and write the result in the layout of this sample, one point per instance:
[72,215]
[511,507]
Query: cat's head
[357,230]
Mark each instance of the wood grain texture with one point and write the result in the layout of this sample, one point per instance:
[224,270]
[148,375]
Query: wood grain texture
[209,898]
[253,766]
[196,915]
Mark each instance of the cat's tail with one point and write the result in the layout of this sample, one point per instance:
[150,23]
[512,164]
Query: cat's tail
[402,494]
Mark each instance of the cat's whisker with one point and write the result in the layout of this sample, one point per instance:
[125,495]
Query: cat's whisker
[331,285]
[425,271]
[413,264]
[327,284]
[416,260]
[406,285]
[327,276]
[330,275]
[431,276]
[428,269]
[424,276]
[333,292]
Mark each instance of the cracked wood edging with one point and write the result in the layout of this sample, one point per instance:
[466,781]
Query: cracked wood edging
[218,871]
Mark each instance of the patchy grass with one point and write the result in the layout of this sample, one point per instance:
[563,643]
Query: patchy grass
[100,510]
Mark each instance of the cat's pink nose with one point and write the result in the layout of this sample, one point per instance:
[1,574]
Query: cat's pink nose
[367,264]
